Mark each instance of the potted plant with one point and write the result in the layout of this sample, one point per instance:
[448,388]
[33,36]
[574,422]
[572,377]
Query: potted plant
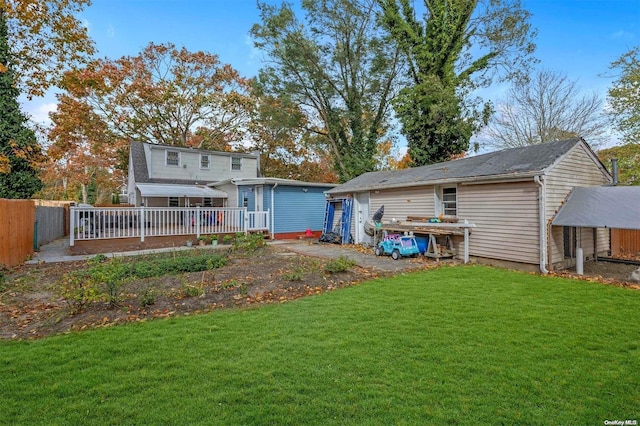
[214,240]
[202,240]
[189,243]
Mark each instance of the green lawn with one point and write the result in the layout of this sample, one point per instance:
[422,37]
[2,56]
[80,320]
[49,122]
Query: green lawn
[463,345]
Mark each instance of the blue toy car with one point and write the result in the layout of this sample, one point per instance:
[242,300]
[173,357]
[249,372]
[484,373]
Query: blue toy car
[398,246]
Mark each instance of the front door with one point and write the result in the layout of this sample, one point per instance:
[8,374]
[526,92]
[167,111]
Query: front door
[362,214]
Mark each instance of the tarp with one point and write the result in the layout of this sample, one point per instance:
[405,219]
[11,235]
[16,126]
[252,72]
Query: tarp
[180,191]
[601,207]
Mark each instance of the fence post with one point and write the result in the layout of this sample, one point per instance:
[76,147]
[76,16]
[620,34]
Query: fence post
[142,223]
[246,220]
[72,225]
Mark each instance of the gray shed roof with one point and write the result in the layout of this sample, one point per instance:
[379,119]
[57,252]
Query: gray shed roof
[601,207]
[506,164]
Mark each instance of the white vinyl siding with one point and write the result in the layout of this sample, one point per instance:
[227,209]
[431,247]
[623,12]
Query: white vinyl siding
[403,202]
[506,219]
[190,166]
[577,168]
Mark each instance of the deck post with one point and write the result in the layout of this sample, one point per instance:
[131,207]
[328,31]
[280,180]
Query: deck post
[197,221]
[245,223]
[72,225]
[466,242]
[142,223]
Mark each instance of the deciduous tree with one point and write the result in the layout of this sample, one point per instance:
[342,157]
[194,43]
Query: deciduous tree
[461,45]
[337,65]
[624,96]
[628,156]
[45,39]
[162,96]
[19,149]
[549,108]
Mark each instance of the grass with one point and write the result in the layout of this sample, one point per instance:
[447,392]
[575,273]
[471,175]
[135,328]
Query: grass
[469,345]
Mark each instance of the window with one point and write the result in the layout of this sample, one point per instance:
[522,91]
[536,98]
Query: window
[204,161]
[207,202]
[236,163]
[173,158]
[174,202]
[449,202]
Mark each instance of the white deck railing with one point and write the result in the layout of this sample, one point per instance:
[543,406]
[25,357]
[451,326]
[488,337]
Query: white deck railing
[93,223]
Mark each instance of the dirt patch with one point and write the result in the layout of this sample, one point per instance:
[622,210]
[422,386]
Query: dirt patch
[130,244]
[31,307]
[612,271]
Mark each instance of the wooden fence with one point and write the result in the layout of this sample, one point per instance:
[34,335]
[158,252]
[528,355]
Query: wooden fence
[17,219]
[625,242]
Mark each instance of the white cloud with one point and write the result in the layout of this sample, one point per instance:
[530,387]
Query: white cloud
[111,31]
[39,112]
[622,35]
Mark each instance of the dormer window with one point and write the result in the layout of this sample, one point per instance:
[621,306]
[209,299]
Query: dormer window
[172,158]
[236,163]
[204,161]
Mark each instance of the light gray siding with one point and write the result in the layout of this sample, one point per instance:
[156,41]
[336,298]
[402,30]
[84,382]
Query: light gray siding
[506,219]
[189,168]
[577,168]
[403,202]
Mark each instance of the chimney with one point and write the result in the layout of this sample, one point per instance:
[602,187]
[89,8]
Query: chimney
[614,171]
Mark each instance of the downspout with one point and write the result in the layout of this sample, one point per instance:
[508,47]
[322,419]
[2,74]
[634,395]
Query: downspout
[543,222]
[273,208]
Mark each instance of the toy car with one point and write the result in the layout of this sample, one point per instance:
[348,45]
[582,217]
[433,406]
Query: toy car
[398,246]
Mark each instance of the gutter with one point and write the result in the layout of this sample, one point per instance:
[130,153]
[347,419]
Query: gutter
[539,180]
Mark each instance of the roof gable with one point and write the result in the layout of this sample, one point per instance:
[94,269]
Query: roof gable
[506,164]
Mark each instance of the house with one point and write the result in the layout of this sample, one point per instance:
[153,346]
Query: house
[294,206]
[169,176]
[511,196]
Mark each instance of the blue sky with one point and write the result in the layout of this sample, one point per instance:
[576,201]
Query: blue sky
[578,37]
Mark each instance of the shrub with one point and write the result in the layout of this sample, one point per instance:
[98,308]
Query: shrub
[340,264]
[104,278]
[295,275]
[248,242]
[148,297]
[78,290]
[192,290]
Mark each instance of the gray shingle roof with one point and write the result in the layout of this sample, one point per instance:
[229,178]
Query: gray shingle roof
[508,163]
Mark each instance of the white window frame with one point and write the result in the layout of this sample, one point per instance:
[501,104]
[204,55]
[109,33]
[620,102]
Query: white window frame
[207,164]
[236,166]
[166,157]
[441,204]
[173,200]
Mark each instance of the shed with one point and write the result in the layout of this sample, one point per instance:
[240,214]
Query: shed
[510,195]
